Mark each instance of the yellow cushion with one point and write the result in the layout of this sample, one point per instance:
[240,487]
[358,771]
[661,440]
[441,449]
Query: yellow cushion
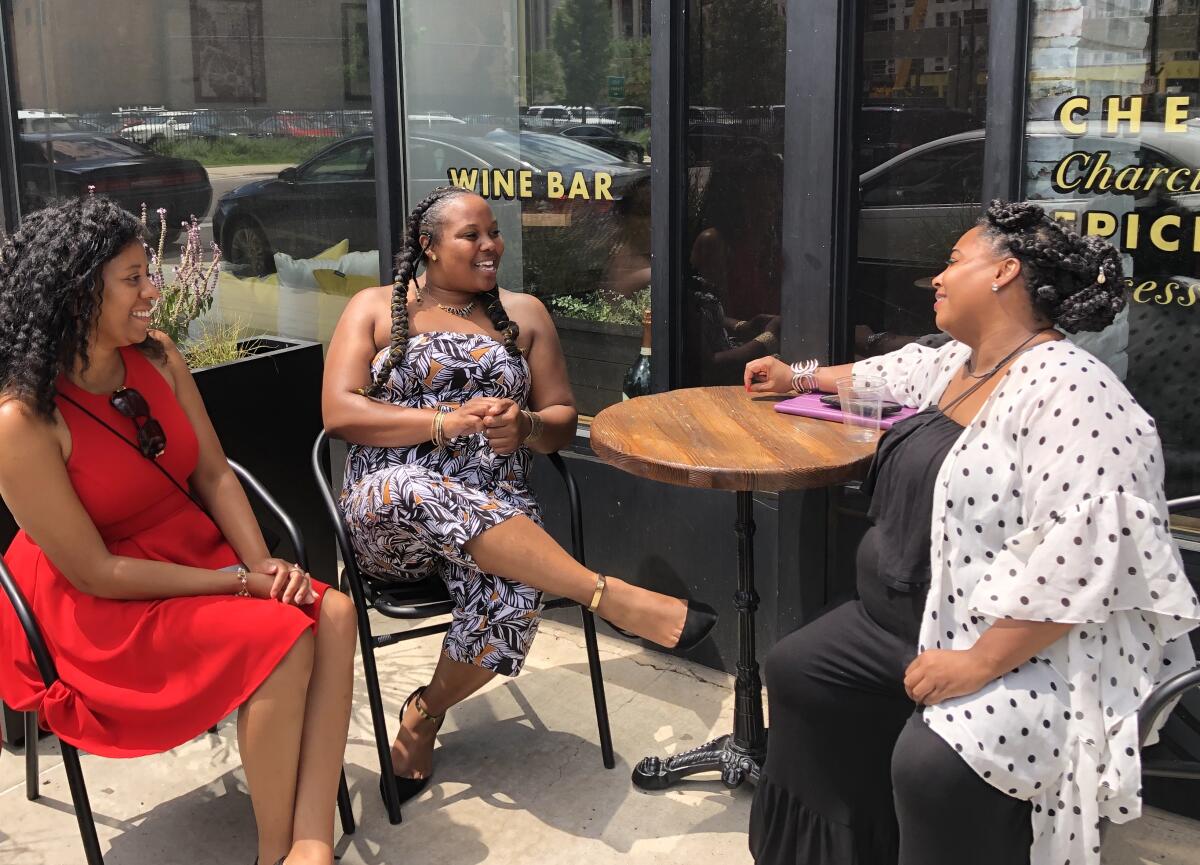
[346,285]
[334,252]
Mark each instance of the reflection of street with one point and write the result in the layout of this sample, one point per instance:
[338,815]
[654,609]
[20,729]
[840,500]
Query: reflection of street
[223,179]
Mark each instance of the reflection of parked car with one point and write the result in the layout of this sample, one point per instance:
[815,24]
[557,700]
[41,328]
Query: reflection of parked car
[332,195]
[886,129]
[289,125]
[211,127]
[36,120]
[607,140]
[65,164]
[627,116]
[559,116]
[166,126]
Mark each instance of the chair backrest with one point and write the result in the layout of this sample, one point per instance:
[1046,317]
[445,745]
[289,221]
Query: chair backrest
[41,654]
[323,474]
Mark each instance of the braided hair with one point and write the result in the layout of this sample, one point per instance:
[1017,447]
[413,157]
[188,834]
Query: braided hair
[426,221]
[1074,281]
[51,292]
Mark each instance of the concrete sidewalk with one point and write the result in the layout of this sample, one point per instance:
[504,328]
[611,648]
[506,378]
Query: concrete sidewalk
[519,780]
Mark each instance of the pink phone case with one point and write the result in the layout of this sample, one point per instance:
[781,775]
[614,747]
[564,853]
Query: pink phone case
[810,405]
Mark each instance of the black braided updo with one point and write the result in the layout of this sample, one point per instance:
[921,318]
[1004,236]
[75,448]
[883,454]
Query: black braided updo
[1075,281]
[51,292]
[426,221]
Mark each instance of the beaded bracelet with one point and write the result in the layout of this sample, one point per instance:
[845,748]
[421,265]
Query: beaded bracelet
[244,578]
[804,376]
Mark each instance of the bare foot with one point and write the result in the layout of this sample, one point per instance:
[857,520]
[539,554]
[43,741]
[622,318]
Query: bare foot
[651,615]
[412,750]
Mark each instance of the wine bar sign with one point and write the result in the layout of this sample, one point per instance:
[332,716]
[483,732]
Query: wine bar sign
[509,185]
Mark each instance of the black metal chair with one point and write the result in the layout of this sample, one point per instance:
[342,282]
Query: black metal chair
[70,755]
[426,599]
[1163,696]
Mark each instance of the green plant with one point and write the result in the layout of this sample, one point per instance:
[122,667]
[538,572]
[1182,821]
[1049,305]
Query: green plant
[602,305]
[218,342]
[189,295]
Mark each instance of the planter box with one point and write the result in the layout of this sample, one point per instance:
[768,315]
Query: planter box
[266,409]
[598,356]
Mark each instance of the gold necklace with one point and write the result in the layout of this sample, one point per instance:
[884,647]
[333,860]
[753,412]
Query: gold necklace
[460,311]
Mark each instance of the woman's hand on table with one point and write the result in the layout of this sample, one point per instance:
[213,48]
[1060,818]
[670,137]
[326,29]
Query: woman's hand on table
[768,375]
[282,581]
[941,674]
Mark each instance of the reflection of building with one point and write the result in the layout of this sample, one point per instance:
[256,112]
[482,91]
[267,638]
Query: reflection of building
[1130,47]
[926,48]
[188,53]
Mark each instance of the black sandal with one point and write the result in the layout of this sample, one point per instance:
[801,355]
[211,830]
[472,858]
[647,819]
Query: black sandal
[407,788]
[697,624]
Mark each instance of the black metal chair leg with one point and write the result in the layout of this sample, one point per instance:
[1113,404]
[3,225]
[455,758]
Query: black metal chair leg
[344,809]
[391,797]
[593,656]
[31,756]
[83,806]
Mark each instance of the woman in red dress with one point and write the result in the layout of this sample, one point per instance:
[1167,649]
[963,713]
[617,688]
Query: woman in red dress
[163,610]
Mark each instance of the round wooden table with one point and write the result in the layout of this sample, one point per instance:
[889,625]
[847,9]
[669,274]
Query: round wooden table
[726,439]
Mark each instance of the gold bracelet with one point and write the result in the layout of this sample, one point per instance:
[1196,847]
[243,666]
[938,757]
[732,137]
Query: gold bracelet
[243,577]
[439,431]
[768,339]
[536,425]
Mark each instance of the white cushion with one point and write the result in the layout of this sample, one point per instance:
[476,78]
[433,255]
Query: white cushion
[360,264]
[297,272]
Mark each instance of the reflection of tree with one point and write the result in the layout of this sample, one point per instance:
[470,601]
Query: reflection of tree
[582,40]
[545,77]
[740,47]
[631,60]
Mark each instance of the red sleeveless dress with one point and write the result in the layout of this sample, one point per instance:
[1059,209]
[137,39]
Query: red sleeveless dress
[139,677]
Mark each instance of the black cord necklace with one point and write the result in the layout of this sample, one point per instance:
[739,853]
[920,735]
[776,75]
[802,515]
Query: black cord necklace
[970,365]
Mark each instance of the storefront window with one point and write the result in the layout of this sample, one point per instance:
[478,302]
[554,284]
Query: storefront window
[735,187]
[1113,147]
[920,134]
[251,115]
[542,107]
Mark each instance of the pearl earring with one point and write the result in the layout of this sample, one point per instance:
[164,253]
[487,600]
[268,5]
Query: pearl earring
[995,286]
[433,256]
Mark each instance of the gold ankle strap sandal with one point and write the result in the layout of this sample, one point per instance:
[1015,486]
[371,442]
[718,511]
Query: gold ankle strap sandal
[601,582]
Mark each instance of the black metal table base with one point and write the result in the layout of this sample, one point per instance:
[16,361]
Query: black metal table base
[739,755]
[720,755]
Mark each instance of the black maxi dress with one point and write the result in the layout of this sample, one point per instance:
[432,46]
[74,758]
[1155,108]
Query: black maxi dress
[839,713]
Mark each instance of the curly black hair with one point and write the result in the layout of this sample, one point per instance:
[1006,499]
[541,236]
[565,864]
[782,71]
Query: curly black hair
[426,221]
[1075,281]
[51,292]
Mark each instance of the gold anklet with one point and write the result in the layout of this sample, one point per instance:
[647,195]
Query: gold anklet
[601,581]
[416,704]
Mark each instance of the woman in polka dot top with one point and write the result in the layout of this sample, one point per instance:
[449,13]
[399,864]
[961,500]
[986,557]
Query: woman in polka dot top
[1019,585]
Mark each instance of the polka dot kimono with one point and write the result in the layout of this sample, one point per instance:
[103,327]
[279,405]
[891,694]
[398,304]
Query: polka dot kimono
[1050,507]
